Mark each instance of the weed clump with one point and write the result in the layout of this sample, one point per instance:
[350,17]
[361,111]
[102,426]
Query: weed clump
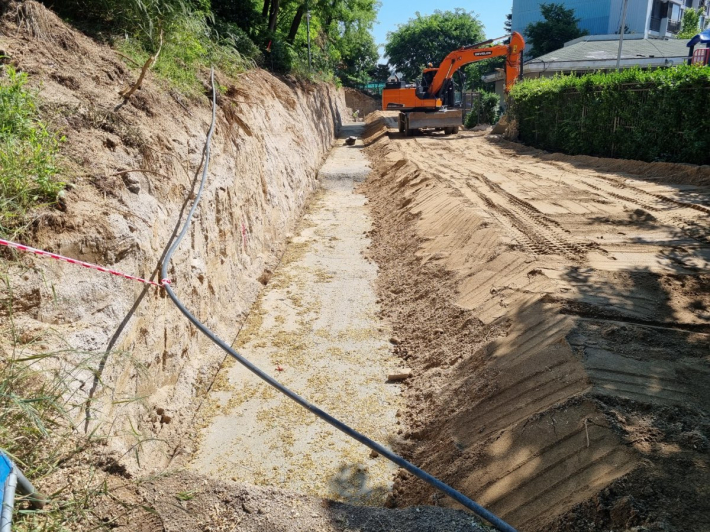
[28,153]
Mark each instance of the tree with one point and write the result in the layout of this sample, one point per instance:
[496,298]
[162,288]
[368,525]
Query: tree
[559,27]
[691,23]
[475,71]
[430,38]
[508,24]
[380,73]
[359,55]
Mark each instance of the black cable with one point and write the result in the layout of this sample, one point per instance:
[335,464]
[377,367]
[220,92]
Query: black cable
[433,481]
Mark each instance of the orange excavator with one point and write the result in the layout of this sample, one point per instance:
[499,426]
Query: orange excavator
[431,103]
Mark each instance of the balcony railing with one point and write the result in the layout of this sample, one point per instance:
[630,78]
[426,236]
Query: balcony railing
[674,26]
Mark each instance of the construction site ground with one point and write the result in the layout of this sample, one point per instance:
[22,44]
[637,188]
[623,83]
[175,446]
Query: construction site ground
[555,311]
[315,328]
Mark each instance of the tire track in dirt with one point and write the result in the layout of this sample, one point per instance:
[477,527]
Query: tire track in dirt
[536,232]
[533,426]
[638,197]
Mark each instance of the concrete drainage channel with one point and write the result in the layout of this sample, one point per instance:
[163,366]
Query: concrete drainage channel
[315,327]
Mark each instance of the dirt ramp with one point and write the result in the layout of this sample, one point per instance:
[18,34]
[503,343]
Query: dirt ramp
[553,329]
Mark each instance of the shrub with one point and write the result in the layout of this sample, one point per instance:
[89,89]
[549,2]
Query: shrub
[633,114]
[28,153]
[485,109]
[191,37]
[189,45]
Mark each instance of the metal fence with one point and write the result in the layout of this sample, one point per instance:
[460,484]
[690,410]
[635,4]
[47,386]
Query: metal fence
[469,102]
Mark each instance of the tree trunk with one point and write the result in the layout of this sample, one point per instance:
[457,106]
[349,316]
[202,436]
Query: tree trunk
[265,9]
[296,23]
[273,15]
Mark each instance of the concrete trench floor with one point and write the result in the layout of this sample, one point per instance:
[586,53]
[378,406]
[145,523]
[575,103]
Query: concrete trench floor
[315,328]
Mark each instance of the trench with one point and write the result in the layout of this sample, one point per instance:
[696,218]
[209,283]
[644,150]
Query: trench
[315,327]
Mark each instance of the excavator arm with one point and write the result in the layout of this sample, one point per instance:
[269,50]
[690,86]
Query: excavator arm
[428,97]
[467,55]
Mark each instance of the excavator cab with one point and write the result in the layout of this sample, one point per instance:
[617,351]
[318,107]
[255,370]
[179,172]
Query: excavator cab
[424,84]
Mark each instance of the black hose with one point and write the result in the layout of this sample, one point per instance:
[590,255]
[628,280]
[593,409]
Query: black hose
[459,497]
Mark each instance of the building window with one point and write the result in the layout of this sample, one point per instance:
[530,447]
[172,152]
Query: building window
[674,18]
[659,11]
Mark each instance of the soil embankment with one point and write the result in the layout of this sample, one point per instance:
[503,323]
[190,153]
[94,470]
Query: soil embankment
[139,373]
[359,101]
[555,311]
[133,168]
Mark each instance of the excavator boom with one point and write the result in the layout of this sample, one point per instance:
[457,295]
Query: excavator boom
[513,53]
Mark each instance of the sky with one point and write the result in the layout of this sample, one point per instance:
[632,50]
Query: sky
[393,12]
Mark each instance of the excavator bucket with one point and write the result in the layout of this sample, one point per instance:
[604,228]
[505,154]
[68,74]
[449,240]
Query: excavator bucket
[502,126]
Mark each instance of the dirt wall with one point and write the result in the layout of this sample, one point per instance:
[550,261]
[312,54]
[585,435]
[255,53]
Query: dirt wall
[357,100]
[139,368]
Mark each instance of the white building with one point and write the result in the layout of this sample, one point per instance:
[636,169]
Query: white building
[660,19]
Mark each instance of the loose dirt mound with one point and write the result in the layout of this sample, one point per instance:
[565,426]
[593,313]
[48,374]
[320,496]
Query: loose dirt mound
[360,101]
[557,317]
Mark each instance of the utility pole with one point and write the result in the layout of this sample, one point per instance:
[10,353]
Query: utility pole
[621,36]
[308,33]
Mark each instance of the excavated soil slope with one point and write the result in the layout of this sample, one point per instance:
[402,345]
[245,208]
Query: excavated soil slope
[556,313]
[141,369]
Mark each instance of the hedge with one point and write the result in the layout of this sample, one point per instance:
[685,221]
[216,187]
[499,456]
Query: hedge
[485,109]
[659,115]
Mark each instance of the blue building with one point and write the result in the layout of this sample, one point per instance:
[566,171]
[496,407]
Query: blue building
[650,18]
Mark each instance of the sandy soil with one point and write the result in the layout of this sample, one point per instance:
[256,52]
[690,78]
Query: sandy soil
[556,312]
[315,328]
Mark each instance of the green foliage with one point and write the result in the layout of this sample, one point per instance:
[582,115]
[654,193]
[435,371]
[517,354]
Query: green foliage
[192,38]
[141,19]
[691,23]
[485,109]
[430,38]
[189,46]
[28,153]
[475,71]
[559,27]
[358,54]
[658,115]
[380,73]
[235,34]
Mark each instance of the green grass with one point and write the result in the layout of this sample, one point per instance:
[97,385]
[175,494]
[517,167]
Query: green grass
[41,403]
[187,52]
[28,153]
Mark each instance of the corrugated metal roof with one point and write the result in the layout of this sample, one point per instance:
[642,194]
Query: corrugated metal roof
[597,50]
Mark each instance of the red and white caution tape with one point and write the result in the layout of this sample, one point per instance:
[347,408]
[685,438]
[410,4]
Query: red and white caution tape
[42,253]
